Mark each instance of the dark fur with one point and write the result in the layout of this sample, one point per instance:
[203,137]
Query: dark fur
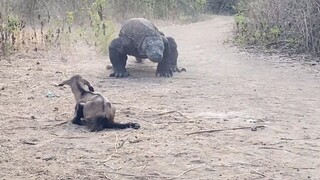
[92,109]
[125,45]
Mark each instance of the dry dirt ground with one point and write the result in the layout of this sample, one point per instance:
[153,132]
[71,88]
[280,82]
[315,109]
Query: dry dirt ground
[222,89]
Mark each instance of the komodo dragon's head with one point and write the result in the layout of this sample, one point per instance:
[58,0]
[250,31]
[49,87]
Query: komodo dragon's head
[154,48]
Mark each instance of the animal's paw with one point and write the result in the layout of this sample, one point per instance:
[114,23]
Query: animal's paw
[135,125]
[175,68]
[164,73]
[119,74]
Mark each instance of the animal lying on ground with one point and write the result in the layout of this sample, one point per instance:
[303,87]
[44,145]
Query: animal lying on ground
[140,38]
[97,111]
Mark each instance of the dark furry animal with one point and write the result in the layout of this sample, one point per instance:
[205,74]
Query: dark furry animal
[140,38]
[92,109]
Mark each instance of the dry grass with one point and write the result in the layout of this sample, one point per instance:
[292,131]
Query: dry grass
[35,25]
[287,25]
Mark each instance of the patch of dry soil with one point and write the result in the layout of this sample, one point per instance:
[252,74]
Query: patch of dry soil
[222,89]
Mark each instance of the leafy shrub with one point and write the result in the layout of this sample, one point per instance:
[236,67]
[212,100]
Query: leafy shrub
[288,25]
[10,30]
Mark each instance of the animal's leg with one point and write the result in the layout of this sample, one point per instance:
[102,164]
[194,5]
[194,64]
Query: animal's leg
[163,69]
[174,56]
[78,114]
[118,58]
[121,126]
[173,60]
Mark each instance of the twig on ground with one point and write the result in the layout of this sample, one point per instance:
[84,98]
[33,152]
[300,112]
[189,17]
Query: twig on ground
[29,143]
[55,125]
[174,162]
[72,137]
[303,168]
[20,117]
[175,122]
[67,137]
[18,128]
[121,144]
[139,176]
[165,113]
[171,112]
[115,148]
[258,173]
[105,176]
[62,123]
[186,171]
[227,129]
[53,133]
[143,168]
[106,160]
[180,122]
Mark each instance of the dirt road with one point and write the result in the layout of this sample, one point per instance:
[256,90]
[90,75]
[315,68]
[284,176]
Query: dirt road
[222,89]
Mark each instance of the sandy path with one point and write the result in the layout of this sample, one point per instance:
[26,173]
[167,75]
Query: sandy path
[221,89]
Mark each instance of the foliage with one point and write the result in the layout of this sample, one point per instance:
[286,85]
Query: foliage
[165,9]
[288,25]
[10,30]
[34,25]
[221,6]
[44,29]
[103,29]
